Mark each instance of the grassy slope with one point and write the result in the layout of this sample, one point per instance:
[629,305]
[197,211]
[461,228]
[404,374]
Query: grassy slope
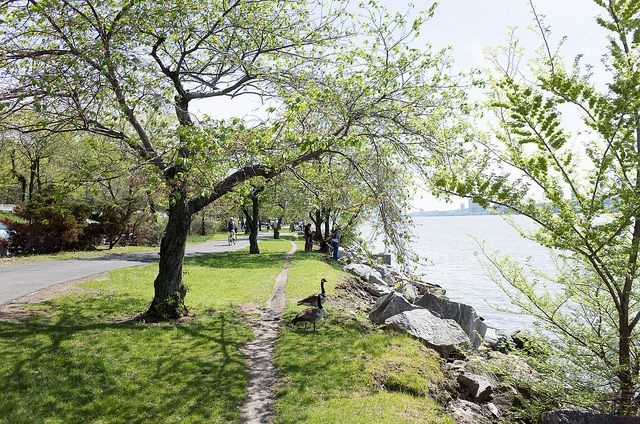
[349,371]
[76,361]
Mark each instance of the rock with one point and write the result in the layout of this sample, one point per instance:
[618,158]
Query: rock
[345,255]
[375,278]
[442,335]
[384,258]
[514,366]
[479,386]
[473,326]
[491,335]
[377,290]
[457,366]
[493,409]
[465,412]
[585,417]
[395,275]
[359,270]
[428,288]
[519,339]
[409,291]
[388,306]
[506,397]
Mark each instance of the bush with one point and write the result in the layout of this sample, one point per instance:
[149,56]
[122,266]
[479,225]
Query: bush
[4,247]
[147,232]
[210,226]
[51,226]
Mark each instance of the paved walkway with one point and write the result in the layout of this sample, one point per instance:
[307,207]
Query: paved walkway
[17,281]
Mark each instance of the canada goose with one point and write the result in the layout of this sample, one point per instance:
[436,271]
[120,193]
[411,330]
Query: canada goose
[315,299]
[310,315]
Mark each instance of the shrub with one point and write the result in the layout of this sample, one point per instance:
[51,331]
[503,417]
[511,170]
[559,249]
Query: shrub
[51,226]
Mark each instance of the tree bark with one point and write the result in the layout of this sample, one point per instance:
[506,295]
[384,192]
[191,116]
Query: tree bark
[255,218]
[625,375]
[168,300]
[32,180]
[318,223]
[276,229]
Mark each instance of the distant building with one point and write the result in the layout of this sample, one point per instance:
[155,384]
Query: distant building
[476,209]
[471,209]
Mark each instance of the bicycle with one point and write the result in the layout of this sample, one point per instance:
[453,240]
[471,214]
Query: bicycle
[231,239]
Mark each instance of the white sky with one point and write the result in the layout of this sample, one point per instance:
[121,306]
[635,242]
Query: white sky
[471,26]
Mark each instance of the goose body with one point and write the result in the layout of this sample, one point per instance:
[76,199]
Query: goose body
[315,300]
[312,315]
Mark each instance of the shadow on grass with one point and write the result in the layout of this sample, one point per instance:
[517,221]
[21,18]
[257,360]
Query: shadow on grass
[74,366]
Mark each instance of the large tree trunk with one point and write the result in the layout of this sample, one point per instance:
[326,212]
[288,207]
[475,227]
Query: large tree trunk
[32,180]
[276,229]
[627,372]
[625,375]
[255,218]
[20,177]
[317,220]
[168,301]
[252,221]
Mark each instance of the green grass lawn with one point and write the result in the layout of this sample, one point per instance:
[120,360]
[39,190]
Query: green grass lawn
[80,359]
[349,371]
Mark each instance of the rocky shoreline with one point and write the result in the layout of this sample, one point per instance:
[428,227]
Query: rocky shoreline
[487,381]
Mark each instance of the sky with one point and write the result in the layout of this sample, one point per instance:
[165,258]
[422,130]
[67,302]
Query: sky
[471,26]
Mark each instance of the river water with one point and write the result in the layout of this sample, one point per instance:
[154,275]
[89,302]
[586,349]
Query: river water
[447,250]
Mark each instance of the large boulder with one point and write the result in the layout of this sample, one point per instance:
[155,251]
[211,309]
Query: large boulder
[376,290]
[585,417]
[479,386]
[442,335]
[375,278]
[473,326]
[359,270]
[388,306]
[409,291]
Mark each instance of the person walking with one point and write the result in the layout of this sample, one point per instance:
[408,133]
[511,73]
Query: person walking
[336,238]
[308,238]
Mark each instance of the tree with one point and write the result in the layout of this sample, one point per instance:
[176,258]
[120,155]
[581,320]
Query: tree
[118,69]
[29,157]
[283,199]
[251,209]
[368,182]
[590,188]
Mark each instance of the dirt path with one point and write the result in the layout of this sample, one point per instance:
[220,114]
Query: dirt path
[258,405]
